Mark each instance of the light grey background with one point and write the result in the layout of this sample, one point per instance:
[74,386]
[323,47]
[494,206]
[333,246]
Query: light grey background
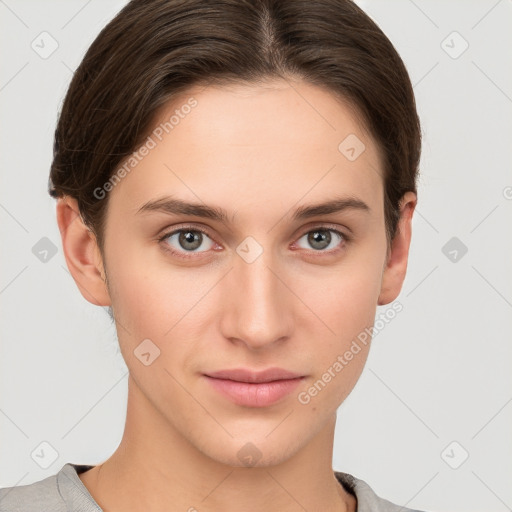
[439,372]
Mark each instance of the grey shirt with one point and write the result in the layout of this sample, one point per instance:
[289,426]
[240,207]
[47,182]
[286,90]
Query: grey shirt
[65,492]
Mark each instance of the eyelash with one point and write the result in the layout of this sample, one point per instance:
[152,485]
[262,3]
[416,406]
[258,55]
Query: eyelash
[345,239]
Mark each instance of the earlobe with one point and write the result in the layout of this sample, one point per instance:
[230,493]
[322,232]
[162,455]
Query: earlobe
[82,254]
[396,265]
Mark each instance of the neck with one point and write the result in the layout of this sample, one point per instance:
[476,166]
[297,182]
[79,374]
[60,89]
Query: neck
[156,469]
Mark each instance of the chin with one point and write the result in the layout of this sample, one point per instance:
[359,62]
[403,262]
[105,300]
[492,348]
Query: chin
[256,451]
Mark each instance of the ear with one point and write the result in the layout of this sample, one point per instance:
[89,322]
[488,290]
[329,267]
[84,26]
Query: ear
[82,253]
[396,265]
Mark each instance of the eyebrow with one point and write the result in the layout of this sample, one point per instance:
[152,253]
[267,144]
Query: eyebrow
[175,206]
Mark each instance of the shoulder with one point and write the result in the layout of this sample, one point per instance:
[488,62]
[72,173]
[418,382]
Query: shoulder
[30,498]
[367,500]
[62,492]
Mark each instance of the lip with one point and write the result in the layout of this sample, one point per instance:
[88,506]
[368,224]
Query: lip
[254,389]
[246,375]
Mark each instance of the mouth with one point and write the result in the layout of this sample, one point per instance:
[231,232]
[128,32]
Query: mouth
[254,389]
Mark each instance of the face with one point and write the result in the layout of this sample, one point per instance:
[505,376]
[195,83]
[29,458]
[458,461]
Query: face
[260,287]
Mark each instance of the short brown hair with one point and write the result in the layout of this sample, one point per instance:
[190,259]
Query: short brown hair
[155,49]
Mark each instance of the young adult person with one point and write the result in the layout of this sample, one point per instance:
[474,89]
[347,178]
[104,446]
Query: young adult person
[236,182]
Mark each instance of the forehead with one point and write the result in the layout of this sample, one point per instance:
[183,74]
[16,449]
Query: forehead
[292,115]
[253,146]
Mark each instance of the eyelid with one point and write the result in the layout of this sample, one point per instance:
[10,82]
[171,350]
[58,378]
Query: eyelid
[318,226]
[183,227]
[183,255]
[311,227]
[346,239]
[328,227]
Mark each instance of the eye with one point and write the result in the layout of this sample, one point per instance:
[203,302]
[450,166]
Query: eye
[186,240]
[321,240]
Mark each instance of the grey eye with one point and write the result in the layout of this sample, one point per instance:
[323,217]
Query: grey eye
[321,239]
[188,240]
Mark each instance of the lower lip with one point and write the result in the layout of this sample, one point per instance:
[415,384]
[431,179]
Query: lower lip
[254,394]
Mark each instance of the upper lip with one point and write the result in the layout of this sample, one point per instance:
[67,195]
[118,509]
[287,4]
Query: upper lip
[245,375]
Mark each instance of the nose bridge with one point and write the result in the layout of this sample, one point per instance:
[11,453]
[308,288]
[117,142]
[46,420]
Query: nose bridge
[259,303]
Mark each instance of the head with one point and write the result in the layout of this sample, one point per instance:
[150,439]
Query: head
[255,111]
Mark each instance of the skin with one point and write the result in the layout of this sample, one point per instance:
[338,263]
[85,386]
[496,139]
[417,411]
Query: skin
[259,152]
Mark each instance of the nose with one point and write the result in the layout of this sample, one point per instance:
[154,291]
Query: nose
[259,311]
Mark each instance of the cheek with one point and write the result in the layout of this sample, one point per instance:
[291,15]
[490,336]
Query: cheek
[151,301]
[348,308]
[155,300]
[346,302]
[346,297]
